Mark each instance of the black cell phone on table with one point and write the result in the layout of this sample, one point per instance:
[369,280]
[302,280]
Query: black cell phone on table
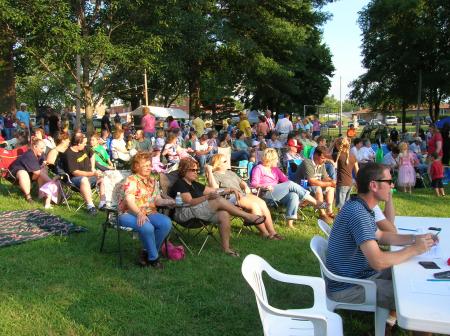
[442,275]
[429,265]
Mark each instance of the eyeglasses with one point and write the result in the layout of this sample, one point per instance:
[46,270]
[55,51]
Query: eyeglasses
[193,170]
[387,181]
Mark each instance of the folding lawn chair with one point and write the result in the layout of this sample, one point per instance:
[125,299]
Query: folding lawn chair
[182,229]
[7,157]
[111,221]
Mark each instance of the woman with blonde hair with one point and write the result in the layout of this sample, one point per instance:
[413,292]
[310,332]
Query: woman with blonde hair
[277,187]
[119,146]
[346,163]
[220,177]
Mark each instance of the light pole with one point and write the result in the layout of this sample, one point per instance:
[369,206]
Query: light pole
[340,104]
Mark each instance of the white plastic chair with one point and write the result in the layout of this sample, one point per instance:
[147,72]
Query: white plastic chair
[324,227]
[316,321]
[319,246]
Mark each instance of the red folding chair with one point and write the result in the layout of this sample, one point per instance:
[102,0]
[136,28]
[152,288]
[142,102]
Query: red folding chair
[7,157]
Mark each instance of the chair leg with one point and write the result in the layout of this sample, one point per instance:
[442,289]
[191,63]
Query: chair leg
[105,228]
[203,245]
[381,315]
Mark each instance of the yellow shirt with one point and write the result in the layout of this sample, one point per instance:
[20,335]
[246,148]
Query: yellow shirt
[244,126]
[199,126]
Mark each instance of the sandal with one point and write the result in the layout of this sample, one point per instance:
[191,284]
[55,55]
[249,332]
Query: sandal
[323,205]
[232,253]
[275,236]
[258,221]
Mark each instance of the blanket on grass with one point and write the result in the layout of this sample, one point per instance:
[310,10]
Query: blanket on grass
[23,225]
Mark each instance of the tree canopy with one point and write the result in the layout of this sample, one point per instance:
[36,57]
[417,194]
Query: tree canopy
[401,40]
[268,54]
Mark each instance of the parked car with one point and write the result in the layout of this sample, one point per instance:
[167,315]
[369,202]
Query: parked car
[391,120]
[362,122]
[332,123]
[422,120]
[375,122]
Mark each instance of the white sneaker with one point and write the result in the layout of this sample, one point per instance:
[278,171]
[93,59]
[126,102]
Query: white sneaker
[49,206]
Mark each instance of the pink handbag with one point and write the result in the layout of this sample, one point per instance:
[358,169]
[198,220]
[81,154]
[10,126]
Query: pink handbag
[172,252]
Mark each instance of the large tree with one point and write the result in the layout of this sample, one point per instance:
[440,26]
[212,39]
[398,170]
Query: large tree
[401,40]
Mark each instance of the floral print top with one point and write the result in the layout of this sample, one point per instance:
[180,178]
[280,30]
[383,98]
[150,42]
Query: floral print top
[145,192]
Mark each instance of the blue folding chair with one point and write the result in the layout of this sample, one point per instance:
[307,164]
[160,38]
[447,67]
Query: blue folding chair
[292,166]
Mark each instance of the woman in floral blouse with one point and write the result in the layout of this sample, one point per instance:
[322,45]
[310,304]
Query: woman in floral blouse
[137,209]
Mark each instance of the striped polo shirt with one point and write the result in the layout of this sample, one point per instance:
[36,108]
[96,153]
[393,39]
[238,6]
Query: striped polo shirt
[354,225]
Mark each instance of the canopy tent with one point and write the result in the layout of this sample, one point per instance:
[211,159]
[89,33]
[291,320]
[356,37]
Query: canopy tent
[162,112]
[442,122]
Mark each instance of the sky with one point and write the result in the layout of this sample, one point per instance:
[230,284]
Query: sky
[343,37]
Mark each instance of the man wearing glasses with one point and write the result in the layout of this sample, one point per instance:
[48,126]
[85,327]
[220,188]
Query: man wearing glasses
[353,247]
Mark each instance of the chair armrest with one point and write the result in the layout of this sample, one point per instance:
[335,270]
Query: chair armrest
[370,288]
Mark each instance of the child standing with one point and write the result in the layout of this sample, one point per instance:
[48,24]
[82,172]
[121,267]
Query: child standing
[346,163]
[406,171]
[437,174]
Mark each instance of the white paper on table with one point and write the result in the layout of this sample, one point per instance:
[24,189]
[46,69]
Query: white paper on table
[430,287]
[433,253]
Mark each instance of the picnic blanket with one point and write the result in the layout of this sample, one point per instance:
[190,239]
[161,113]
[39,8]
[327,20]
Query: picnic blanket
[24,225]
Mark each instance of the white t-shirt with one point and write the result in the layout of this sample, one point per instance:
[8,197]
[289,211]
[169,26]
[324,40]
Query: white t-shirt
[284,126]
[379,215]
[365,154]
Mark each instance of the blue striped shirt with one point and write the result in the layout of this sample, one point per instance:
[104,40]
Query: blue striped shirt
[354,225]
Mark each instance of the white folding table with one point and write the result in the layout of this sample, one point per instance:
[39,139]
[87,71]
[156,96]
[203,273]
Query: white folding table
[423,305]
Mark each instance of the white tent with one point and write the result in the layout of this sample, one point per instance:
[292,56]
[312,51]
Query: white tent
[162,112]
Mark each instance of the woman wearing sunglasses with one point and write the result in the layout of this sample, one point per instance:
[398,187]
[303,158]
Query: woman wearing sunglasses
[220,177]
[206,204]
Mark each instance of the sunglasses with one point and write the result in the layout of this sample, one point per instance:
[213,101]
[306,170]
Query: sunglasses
[193,170]
[387,181]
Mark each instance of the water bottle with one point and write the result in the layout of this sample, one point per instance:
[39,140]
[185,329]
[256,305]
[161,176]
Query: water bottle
[178,199]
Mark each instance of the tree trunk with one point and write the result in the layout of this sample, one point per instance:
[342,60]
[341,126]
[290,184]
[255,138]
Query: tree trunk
[194,97]
[89,110]
[437,107]
[134,103]
[404,105]
[7,74]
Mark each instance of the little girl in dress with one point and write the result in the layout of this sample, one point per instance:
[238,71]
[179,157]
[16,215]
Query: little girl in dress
[406,173]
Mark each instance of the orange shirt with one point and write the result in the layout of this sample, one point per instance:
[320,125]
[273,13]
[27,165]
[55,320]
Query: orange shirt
[351,133]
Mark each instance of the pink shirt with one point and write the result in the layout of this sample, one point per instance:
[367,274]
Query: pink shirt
[174,124]
[148,124]
[261,179]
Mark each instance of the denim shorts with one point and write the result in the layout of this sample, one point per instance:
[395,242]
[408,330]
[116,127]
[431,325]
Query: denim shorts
[76,181]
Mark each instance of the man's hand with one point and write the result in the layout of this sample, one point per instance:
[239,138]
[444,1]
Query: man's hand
[212,196]
[423,243]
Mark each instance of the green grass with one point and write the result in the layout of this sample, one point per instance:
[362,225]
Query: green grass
[64,286]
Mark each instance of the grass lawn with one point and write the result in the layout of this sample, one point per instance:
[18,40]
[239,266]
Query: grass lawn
[64,286]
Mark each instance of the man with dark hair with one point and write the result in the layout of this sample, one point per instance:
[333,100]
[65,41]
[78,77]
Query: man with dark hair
[319,183]
[83,173]
[353,246]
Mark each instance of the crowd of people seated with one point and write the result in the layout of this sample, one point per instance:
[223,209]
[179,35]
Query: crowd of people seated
[321,175]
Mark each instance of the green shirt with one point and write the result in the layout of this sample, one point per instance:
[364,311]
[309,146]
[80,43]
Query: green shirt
[101,155]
